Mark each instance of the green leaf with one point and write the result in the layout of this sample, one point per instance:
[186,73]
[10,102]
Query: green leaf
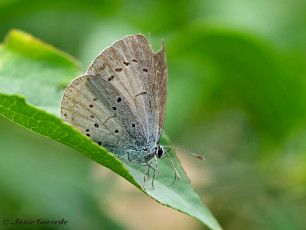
[43,175]
[237,70]
[33,70]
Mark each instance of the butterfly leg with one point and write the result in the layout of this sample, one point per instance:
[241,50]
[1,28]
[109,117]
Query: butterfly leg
[148,174]
[148,166]
[144,176]
[157,170]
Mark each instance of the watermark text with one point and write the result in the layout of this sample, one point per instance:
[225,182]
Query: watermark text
[38,221]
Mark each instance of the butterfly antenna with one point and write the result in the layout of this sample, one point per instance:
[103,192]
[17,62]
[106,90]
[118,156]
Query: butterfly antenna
[186,151]
[174,179]
[176,172]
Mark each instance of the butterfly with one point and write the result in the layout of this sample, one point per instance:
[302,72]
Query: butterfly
[120,102]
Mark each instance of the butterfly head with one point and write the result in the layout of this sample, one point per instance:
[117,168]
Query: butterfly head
[160,152]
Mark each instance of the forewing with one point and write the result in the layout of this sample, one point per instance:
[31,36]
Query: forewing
[93,106]
[160,61]
[129,66]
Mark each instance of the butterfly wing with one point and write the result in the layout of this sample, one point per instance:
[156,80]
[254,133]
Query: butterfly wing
[160,60]
[96,108]
[130,66]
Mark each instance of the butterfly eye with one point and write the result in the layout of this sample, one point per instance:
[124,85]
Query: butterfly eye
[160,153]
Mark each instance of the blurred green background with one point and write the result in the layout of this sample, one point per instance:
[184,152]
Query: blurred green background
[236,94]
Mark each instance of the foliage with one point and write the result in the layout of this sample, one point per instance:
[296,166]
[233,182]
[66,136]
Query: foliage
[41,72]
[236,95]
